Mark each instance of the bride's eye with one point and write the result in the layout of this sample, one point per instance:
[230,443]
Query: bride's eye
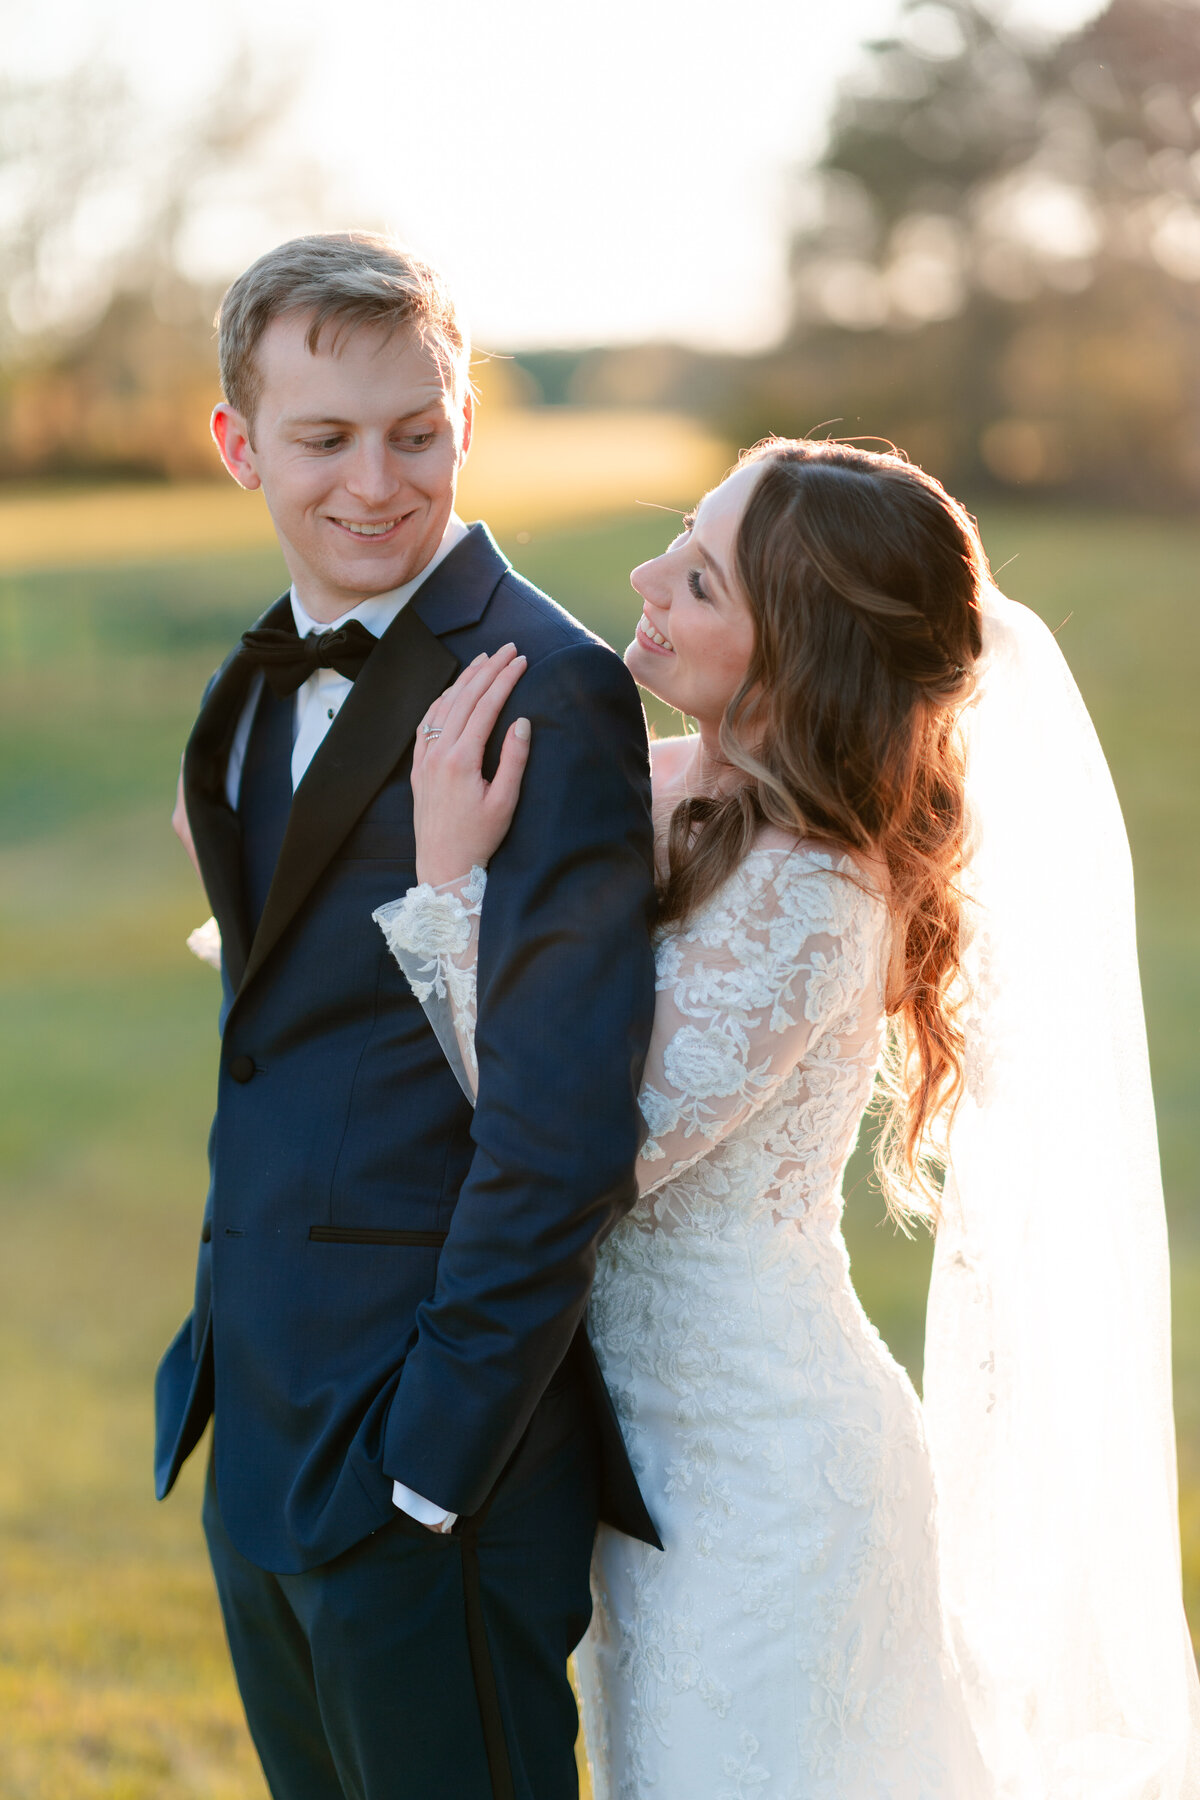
[693,581]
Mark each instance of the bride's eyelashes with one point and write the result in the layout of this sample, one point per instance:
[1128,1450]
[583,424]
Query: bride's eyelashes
[693,578]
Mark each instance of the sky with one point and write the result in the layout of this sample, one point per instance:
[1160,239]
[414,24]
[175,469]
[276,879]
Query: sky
[583,174]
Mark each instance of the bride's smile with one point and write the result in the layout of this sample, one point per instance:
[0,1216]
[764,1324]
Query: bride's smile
[694,640]
[650,637]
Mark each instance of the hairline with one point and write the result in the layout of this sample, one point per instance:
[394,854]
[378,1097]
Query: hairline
[338,283]
[346,324]
[451,369]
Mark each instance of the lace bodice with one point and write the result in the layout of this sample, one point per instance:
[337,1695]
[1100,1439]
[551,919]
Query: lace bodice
[769,1003]
[768,1025]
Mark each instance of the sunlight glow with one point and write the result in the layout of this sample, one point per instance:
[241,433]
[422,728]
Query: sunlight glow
[582,176]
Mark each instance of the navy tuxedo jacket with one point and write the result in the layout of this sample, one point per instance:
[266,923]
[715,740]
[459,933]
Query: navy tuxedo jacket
[388,1281]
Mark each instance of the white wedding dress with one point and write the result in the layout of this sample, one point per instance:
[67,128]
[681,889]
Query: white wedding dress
[790,1644]
[819,1627]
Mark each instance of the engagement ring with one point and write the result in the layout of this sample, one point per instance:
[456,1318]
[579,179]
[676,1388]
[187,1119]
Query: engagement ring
[432,731]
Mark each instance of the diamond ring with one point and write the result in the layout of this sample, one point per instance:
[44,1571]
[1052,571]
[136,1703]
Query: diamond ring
[432,731]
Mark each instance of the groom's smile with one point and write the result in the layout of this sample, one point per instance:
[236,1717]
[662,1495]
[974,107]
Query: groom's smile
[383,529]
[357,448]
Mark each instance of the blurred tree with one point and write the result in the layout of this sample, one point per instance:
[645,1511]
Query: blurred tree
[995,263]
[997,260]
[107,361]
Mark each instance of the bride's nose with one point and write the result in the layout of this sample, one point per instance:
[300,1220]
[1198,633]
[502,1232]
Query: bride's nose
[646,580]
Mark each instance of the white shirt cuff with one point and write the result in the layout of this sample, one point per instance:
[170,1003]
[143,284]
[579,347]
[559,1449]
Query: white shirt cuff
[425,1512]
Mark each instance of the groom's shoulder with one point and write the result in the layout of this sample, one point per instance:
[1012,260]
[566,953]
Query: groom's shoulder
[537,624]
[565,660]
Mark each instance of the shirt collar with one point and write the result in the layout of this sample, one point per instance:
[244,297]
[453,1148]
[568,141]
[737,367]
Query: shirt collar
[377,613]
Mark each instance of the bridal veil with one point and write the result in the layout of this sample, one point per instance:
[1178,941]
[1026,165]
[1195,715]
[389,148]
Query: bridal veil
[1047,1372]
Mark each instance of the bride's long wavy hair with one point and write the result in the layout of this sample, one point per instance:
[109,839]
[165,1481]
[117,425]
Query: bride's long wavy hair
[863,578]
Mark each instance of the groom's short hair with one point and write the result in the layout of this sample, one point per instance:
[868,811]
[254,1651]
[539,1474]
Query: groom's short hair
[347,279]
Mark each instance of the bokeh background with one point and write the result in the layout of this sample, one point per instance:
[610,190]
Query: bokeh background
[970,226]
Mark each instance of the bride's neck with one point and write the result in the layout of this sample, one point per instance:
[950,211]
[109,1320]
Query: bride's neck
[712,773]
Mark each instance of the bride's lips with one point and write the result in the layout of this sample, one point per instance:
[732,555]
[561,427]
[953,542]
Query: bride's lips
[660,645]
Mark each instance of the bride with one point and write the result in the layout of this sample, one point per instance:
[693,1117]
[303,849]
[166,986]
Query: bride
[890,861]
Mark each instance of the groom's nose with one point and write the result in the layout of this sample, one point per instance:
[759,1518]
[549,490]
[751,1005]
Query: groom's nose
[371,476]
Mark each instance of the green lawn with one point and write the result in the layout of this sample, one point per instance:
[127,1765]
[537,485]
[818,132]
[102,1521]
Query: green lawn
[113,1680]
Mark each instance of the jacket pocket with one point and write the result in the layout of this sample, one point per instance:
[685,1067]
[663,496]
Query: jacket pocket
[371,1234]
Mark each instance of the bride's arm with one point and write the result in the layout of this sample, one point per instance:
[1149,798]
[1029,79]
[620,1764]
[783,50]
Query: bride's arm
[743,994]
[182,828]
[459,819]
[433,932]
[790,948]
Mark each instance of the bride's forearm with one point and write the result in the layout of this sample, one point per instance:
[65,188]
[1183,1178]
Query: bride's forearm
[181,827]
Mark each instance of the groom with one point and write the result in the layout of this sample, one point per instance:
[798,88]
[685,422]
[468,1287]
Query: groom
[412,1442]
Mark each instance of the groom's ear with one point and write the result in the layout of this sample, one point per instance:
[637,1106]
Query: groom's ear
[468,425]
[231,434]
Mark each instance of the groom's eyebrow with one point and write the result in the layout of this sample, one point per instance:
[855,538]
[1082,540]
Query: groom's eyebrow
[310,420]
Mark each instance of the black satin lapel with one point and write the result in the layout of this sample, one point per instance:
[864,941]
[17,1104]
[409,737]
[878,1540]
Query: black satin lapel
[363,745]
[457,593]
[215,827]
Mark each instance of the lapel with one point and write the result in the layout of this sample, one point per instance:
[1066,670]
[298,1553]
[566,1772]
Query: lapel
[372,732]
[215,826]
[457,593]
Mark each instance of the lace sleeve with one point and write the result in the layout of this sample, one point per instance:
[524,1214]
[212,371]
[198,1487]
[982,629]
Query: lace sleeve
[788,948]
[433,933]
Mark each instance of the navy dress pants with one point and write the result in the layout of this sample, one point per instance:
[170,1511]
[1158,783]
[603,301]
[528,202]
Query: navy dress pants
[417,1666]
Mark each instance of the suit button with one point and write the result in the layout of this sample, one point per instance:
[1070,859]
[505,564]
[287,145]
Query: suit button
[242,1068]
[206,1232]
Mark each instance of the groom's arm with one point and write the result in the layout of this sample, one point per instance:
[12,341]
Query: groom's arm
[566,1001]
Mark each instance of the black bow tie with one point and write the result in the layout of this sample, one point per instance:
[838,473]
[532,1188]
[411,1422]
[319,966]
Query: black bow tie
[288,660]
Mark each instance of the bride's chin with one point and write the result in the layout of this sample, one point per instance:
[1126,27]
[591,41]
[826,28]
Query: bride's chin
[648,672]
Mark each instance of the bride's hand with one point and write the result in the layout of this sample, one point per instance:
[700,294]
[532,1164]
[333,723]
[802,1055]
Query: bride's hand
[460,818]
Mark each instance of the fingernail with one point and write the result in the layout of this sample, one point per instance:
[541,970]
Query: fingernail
[482,657]
[521,730]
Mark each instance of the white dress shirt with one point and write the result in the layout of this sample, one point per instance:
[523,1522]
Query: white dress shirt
[319,699]
[318,702]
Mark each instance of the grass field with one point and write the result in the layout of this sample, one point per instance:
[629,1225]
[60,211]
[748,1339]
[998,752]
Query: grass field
[113,1679]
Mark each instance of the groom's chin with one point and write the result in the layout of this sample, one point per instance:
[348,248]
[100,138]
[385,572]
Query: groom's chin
[367,570]
[345,578]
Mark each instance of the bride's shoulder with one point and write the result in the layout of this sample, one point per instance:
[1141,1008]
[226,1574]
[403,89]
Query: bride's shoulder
[800,868]
[670,759]
[813,855]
